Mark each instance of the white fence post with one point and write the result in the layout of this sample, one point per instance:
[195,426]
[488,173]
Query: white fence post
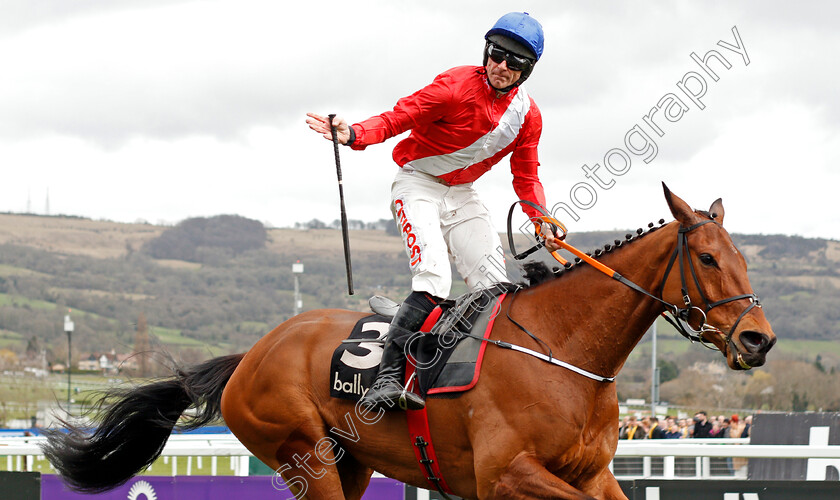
[668,472]
[243,466]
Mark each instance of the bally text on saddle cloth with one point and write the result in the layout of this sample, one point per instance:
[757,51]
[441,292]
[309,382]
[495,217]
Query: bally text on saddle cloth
[354,365]
[355,362]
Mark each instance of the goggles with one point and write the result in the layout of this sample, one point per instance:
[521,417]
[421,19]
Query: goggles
[514,62]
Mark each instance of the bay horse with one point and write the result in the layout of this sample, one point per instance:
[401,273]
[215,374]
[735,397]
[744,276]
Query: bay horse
[528,429]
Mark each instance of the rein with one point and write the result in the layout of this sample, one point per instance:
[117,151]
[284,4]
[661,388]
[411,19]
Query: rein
[679,317]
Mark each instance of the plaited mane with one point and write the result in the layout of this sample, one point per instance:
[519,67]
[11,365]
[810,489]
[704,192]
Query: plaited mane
[536,272]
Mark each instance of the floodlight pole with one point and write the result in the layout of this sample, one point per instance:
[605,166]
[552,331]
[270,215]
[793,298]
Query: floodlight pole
[68,329]
[297,269]
[654,375]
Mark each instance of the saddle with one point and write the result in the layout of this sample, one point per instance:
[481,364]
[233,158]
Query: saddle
[447,352]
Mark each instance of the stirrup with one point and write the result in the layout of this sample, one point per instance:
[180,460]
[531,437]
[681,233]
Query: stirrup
[402,401]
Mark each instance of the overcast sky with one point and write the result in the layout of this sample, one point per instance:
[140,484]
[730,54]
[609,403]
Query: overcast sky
[160,110]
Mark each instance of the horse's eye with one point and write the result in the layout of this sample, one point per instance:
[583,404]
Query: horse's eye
[707,259]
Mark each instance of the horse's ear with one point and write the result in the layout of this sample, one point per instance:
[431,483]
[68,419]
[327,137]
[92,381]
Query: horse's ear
[680,209]
[717,210]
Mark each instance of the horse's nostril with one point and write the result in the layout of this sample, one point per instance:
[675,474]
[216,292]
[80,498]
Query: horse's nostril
[755,342]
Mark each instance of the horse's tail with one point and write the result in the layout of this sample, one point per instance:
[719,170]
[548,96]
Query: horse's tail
[135,428]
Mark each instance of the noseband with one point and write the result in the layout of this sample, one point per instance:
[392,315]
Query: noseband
[680,316]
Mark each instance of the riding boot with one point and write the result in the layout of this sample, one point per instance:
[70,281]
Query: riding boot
[387,391]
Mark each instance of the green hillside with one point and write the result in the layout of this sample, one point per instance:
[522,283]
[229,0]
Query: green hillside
[213,286]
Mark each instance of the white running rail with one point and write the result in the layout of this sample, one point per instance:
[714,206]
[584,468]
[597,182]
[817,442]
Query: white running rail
[660,458]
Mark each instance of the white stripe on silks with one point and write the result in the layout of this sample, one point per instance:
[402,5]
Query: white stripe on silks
[485,147]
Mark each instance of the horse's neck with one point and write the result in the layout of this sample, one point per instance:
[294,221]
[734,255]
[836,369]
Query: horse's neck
[598,319]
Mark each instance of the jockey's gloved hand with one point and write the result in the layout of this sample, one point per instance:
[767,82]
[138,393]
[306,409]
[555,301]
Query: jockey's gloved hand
[549,227]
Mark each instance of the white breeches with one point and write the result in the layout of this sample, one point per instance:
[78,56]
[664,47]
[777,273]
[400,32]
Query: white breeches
[436,221]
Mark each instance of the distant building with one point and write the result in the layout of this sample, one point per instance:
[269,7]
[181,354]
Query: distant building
[38,372]
[109,363]
[105,363]
[91,363]
[126,362]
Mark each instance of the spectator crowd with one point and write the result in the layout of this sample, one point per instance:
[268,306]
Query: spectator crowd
[701,426]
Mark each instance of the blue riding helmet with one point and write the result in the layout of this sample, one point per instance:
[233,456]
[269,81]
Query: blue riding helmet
[523,29]
[520,34]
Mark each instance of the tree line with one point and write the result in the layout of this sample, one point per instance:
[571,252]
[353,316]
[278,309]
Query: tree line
[241,288]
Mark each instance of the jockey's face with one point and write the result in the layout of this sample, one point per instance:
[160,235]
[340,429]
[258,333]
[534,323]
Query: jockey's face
[499,75]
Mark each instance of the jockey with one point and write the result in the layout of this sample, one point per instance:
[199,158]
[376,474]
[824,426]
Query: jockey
[463,123]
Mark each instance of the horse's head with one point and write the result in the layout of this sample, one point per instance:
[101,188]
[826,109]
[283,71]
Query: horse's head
[709,278]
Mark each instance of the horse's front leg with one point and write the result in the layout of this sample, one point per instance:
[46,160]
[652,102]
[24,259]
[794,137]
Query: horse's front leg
[605,486]
[525,478]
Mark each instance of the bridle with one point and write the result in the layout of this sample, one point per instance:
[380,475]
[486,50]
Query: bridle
[677,316]
[680,316]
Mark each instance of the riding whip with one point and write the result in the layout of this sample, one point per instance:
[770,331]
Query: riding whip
[344,233]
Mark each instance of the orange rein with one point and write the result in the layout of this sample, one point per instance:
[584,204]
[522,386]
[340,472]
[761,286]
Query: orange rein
[556,226]
[680,315]
[586,258]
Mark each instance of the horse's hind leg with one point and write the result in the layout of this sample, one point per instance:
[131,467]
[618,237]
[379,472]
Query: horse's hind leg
[307,465]
[355,477]
[313,466]
[300,452]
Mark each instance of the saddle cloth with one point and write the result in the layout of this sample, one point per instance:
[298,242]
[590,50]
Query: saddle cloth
[448,360]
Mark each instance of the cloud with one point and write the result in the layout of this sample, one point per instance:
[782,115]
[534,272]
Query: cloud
[118,75]
[162,110]
[108,74]
[21,15]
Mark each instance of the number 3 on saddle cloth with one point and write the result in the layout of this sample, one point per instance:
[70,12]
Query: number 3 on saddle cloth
[447,351]
[447,354]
